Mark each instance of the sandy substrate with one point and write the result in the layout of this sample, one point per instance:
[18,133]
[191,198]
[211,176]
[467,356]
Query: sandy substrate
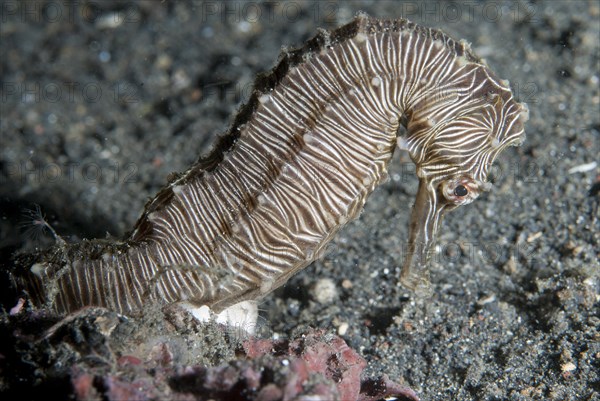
[102,101]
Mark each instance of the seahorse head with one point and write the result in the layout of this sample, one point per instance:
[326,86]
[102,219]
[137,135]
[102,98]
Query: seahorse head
[454,149]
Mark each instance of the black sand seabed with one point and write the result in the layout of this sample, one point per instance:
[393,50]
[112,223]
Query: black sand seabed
[98,108]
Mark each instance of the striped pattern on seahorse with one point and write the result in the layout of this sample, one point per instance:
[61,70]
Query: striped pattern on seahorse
[313,143]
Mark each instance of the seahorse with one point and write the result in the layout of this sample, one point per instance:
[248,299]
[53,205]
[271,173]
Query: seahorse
[298,162]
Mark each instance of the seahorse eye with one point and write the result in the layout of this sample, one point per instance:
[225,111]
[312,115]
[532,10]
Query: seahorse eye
[461,190]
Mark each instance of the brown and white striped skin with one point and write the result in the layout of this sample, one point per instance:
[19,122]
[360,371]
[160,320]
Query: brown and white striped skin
[299,162]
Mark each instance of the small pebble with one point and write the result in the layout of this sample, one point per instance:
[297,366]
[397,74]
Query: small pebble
[486,299]
[568,367]
[343,329]
[324,291]
[346,284]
